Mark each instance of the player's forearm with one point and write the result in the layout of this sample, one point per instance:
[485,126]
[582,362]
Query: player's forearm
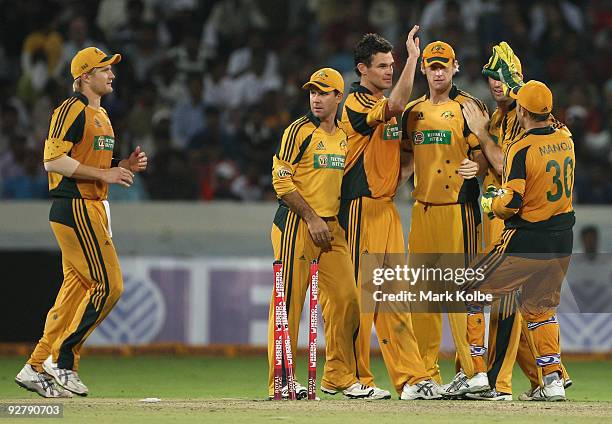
[86,172]
[297,204]
[483,163]
[69,167]
[492,151]
[403,88]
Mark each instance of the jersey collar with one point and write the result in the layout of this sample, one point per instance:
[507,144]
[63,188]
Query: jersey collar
[313,118]
[541,131]
[316,121]
[358,88]
[81,97]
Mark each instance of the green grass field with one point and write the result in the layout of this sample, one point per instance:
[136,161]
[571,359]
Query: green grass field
[210,389]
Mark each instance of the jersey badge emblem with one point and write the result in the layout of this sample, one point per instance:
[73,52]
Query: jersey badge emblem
[418,137]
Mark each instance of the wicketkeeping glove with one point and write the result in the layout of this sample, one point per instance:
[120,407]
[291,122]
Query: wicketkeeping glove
[502,67]
[487,200]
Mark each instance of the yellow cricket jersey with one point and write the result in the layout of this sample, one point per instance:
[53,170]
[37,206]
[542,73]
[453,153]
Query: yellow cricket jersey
[311,161]
[440,139]
[373,158]
[86,135]
[500,138]
[504,129]
[538,180]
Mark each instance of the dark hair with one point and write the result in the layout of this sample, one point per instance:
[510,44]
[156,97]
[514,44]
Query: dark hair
[369,45]
[538,117]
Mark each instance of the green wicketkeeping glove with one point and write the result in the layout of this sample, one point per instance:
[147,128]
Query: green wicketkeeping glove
[487,200]
[490,69]
[502,67]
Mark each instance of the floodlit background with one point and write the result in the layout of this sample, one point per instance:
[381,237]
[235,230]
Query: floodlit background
[206,88]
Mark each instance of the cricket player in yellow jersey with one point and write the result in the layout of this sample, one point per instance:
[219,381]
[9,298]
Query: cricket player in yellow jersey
[506,344]
[367,212]
[307,175]
[445,215]
[79,158]
[535,201]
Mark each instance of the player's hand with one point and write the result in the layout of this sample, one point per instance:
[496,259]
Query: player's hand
[502,67]
[490,69]
[412,43]
[468,169]
[487,201]
[476,118]
[507,72]
[138,160]
[319,231]
[118,175]
[502,52]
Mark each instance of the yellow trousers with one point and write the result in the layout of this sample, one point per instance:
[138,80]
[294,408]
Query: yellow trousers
[374,226]
[451,228]
[92,281]
[536,324]
[507,342]
[338,299]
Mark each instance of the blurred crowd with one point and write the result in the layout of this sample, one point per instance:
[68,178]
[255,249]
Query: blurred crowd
[207,87]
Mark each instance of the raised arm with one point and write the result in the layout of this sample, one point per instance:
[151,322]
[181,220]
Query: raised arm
[400,94]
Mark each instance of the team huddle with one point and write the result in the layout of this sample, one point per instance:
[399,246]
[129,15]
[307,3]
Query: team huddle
[336,181]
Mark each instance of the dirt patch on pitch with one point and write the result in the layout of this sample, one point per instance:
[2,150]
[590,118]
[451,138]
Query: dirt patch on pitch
[476,408]
[233,411]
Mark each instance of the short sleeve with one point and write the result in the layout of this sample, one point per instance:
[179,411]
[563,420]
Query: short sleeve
[66,129]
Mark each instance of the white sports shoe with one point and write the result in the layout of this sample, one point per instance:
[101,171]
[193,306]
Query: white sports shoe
[553,391]
[379,394]
[301,392]
[41,383]
[67,379]
[445,387]
[360,391]
[490,394]
[461,384]
[425,389]
[536,394]
[528,395]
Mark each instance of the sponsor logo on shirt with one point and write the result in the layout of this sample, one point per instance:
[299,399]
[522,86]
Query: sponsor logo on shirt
[420,116]
[328,161]
[391,132]
[283,172]
[431,137]
[321,146]
[104,142]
